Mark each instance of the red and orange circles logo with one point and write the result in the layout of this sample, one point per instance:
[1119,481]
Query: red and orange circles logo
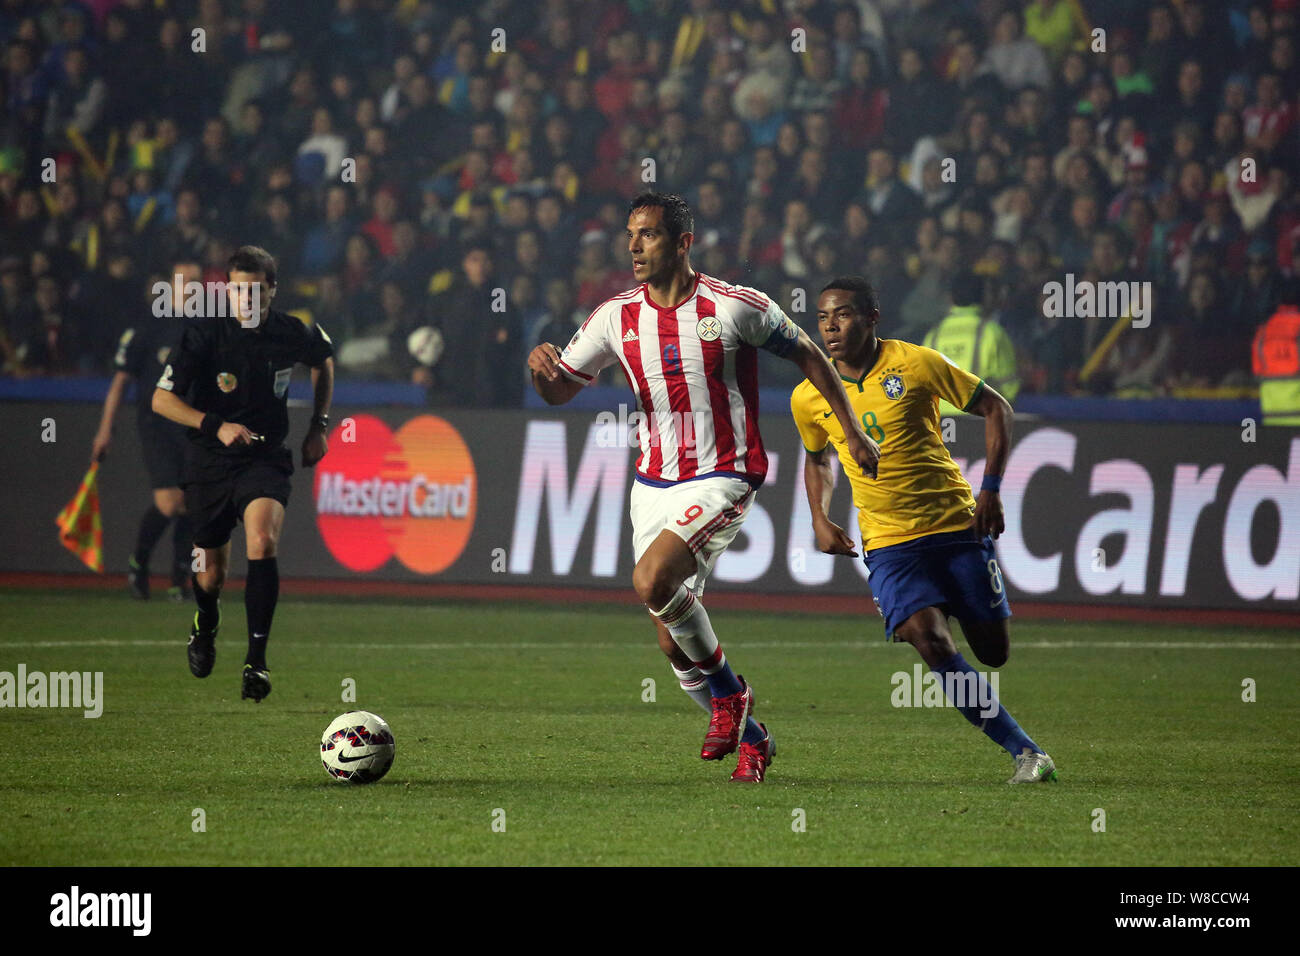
[412,494]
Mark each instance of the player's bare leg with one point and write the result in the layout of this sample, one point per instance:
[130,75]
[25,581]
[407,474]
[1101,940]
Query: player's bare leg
[263,521]
[662,570]
[659,579]
[689,677]
[170,501]
[990,640]
[209,579]
[213,566]
[927,631]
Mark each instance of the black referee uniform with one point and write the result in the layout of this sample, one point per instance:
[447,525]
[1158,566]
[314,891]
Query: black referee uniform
[142,353]
[240,375]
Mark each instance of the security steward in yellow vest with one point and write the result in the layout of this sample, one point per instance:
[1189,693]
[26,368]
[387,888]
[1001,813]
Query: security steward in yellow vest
[978,344]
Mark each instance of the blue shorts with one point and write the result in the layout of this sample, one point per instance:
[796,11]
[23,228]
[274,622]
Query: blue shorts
[954,571]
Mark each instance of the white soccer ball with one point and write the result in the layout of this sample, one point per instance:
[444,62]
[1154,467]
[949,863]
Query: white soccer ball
[425,345]
[357,747]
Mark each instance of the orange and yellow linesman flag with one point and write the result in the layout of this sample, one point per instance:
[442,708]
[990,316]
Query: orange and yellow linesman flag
[80,528]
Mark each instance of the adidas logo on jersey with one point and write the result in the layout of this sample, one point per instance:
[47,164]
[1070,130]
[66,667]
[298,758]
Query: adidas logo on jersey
[630,336]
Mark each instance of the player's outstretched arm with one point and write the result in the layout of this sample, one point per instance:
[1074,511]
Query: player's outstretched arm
[819,483]
[176,409]
[818,369]
[553,385]
[112,401]
[998,416]
[315,445]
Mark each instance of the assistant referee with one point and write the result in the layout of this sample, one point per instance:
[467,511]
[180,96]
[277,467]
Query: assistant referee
[236,369]
[142,354]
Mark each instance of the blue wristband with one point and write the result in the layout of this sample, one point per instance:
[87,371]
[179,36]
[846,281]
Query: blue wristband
[991,483]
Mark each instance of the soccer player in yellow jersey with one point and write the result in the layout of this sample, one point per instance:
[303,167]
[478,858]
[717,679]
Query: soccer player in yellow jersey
[927,542]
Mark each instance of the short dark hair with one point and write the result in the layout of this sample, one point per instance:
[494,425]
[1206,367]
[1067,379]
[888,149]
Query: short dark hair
[967,289]
[865,299]
[252,259]
[677,212]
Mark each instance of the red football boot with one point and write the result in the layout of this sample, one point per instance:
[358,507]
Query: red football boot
[755,759]
[728,722]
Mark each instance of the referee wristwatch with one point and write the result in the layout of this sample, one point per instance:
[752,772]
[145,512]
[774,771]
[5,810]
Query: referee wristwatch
[320,421]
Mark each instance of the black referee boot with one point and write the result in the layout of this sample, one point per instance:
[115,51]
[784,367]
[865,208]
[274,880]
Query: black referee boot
[257,683]
[202,649]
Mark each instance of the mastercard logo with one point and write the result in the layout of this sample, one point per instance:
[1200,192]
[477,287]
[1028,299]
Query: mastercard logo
[410,494]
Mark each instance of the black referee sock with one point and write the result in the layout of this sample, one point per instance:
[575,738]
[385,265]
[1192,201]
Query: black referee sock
[209,607]
[182,548]
[261,591]
[152,525]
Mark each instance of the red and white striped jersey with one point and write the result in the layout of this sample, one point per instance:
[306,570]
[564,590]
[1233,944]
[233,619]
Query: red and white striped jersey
[694,369]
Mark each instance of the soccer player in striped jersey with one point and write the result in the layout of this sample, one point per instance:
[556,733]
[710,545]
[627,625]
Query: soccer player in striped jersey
[927,543]
[688,345]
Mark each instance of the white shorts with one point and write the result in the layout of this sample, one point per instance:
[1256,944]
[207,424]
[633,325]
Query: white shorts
[706,514]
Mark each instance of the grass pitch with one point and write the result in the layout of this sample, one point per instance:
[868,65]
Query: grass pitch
[534,717]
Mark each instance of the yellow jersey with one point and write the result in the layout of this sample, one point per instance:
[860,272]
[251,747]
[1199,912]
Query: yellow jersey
[918,489]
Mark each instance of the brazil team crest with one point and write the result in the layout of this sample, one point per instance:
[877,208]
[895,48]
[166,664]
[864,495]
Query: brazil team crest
[893,386]
[226,381]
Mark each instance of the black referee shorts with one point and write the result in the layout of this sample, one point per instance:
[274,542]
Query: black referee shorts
[215,504]
[164,446]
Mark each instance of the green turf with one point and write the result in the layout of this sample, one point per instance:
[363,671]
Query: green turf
[538,711]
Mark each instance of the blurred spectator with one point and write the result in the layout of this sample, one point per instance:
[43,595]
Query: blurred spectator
[47,334]
[861,105]
[926,304]
[480,340]
[1258,297]
[76,102]
[322,248]
[597,278]
[186,238]
[892,203]
[1016,60]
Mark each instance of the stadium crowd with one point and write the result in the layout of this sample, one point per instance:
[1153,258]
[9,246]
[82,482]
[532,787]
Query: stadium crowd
[466,166]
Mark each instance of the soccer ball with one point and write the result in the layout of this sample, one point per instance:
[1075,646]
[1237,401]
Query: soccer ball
[357,747]
[425,345]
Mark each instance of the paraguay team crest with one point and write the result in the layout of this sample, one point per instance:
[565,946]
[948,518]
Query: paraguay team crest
[226,381]
[708,328]
[893,386]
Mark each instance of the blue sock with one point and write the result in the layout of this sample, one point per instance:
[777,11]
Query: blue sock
[1001,728]
[753,733]
[722,682]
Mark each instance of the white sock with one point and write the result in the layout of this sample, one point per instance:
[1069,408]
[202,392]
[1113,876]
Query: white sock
[696,686]
[688,623]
